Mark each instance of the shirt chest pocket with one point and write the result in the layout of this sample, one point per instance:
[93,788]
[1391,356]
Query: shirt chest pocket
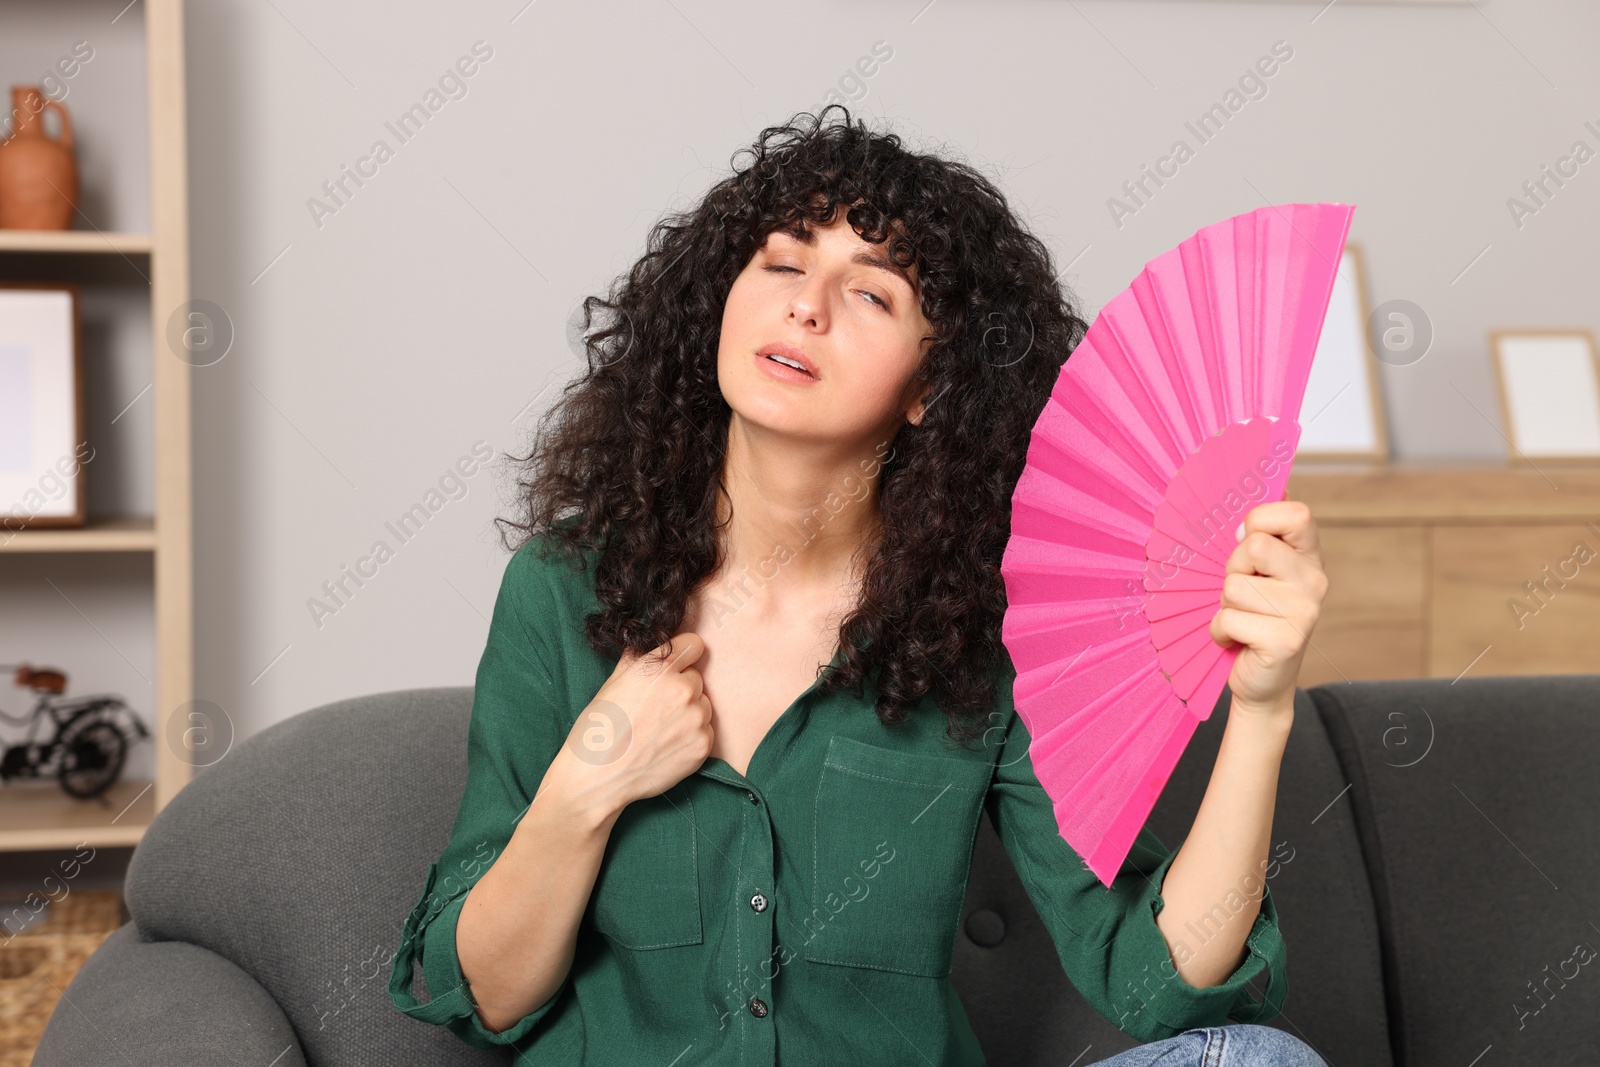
[647,892]
[893,835]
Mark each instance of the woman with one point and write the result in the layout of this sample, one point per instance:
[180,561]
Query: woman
[796,442]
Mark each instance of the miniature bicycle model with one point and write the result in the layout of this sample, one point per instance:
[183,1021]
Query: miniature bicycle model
[92,735]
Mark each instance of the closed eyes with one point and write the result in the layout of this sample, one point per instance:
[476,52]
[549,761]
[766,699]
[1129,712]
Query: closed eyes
[776,267]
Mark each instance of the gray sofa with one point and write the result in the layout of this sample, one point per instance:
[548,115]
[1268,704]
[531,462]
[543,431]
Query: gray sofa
[1437,873]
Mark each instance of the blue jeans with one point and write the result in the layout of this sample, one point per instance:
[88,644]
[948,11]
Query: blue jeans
[1233,1045]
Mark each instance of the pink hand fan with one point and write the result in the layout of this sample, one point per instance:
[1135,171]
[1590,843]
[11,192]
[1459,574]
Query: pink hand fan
[1173,418]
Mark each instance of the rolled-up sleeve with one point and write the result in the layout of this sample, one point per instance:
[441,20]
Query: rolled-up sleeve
[514,734]
[1107,938]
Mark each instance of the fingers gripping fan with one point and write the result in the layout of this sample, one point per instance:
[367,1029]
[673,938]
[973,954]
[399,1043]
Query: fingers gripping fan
[1176,414]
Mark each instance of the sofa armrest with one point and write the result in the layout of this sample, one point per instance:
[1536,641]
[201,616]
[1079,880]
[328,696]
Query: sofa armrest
[164,1002]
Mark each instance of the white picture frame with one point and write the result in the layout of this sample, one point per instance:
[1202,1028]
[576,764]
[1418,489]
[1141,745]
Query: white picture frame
[41,408]
[1342,415]
[1549,382]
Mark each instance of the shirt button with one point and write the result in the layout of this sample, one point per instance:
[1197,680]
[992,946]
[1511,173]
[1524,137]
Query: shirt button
[758,1008]
[751,793]
[758,902]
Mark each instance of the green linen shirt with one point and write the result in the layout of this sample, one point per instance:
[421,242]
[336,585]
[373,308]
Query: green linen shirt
[805,910]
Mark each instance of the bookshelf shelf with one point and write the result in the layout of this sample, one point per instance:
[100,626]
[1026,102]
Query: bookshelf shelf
[37,816]
[131,533]
[86,242]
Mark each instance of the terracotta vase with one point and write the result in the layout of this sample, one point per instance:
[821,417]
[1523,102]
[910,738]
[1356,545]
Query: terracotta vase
[38,174]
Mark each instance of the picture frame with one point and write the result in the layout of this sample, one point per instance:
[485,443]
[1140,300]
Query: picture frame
[41,407]
[1549,388]
[1342,417]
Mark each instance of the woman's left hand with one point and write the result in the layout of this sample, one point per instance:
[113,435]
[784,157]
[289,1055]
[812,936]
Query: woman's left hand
[1271,598]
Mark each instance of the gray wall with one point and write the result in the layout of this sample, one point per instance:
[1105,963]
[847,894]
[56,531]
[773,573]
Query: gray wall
[376,345]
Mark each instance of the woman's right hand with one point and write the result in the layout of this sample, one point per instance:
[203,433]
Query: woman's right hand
[649,726]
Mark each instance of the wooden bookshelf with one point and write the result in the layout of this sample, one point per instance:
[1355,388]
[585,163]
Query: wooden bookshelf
[40,815]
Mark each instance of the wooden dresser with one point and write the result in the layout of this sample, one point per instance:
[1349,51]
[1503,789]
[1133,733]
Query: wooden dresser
[1440,571]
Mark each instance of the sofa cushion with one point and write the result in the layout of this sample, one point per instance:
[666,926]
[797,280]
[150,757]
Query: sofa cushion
[1476,803]
[152,1004]
[298,856]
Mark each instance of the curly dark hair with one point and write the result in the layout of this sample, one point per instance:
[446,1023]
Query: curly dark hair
[629,458]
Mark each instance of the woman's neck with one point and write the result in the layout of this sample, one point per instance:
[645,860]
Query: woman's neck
[795,514]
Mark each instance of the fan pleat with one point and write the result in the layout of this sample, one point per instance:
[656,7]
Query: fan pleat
[1172,728]
[1198,554]
[1100,764]
[1172,341]
[1247,276]
[1174,577]
[1281,260]
[1063,630]
[1114,417]
[1185,635]
[1040,585]
[1052,481]
[1173,614]
[1146,385]
[1221,309]
[1063,425]
[1093,747]
[1064,557]
[1060,683]
[1057,701]
[1041,523]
